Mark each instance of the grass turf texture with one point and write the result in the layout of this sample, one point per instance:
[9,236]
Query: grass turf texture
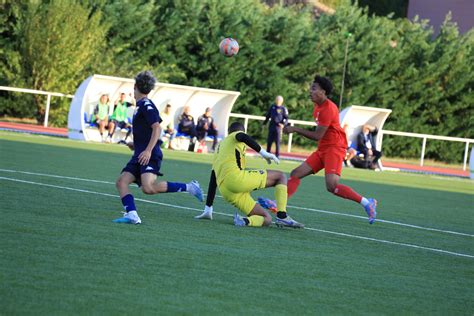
[61,253]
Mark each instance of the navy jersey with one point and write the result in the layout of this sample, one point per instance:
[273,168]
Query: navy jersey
[276,115]
[146,114]
[202,120]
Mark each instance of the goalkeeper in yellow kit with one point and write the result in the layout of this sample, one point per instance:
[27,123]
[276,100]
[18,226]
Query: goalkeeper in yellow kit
[235,182]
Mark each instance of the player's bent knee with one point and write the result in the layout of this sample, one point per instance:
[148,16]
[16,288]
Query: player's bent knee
[121,183]
[276,177]
[148,189]
[282,178]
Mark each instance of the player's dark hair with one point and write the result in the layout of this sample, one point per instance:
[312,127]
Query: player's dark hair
[145,82]
[324,83]
[236,126]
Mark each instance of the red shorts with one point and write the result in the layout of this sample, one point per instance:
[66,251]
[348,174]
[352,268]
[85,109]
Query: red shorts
[329,159]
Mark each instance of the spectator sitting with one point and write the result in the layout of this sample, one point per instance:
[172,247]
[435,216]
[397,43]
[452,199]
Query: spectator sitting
[119,118]
[351,151]
[167,124]
[101,114]
[366,146]
[186,124]
[207,127]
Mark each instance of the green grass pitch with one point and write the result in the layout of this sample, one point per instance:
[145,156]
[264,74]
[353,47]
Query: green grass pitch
[61,254]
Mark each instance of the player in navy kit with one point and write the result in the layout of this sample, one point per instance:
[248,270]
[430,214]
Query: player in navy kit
[145,164]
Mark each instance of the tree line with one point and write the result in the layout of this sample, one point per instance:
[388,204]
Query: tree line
[393,63]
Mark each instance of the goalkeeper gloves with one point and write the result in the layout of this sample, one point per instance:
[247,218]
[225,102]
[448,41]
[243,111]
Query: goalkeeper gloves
[269,157]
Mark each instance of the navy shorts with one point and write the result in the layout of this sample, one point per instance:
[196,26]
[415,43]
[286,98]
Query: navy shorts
[121,124]
[134,167]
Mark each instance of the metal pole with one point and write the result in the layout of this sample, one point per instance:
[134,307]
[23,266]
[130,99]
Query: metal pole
[246,122]
[423,146]
[466,150]
[46,114]
[290,139]
[348,35]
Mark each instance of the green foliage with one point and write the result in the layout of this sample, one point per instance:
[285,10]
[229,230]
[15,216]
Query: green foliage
[129,37]
[55,58]
[276,48]
[10,60]
[392,63]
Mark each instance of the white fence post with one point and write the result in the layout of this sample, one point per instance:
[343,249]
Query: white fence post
[48,101]
[46,114]
[290,139]
[246,123]
[423,147]
[466,150]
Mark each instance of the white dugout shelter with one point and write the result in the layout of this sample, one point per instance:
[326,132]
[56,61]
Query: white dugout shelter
[198,99]
[355,116]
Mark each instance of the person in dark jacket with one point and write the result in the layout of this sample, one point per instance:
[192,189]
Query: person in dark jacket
[278,116]
[207,127]
[186,124]
[366,146]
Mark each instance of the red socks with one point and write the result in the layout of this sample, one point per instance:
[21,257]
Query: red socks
[293,184]
[343,191]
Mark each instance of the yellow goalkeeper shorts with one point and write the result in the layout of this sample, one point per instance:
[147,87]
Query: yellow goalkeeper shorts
[236,188]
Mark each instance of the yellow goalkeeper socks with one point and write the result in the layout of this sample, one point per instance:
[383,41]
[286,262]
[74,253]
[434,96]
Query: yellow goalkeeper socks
[281,196]
[255,220]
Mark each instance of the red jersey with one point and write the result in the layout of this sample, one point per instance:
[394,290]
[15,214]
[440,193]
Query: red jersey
[327,114]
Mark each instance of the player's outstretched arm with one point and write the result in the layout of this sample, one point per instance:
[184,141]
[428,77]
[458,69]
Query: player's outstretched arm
[249,141]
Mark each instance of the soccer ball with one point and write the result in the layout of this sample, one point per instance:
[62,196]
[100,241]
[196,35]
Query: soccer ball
[229,47]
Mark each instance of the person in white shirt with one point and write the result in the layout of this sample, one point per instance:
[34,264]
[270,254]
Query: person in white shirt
[167,125]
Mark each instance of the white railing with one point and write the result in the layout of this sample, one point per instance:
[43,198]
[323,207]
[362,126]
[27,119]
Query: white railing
[247,117]
[468,141]
[428,136]
[48,100]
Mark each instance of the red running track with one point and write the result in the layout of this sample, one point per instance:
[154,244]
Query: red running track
[33,129]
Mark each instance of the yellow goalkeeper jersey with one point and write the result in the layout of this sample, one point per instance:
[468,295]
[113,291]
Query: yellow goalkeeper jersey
[229,157]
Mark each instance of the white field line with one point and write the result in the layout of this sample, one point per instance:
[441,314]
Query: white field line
[384,221]
[195,209]
[289,206]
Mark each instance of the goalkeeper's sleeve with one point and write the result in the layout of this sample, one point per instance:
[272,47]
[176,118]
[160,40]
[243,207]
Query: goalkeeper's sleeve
[249,141]
[211,189]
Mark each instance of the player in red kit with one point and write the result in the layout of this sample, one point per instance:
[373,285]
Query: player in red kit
[332,144]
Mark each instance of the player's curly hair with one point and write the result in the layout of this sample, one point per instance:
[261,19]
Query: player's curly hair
[324,83]
[145,82]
